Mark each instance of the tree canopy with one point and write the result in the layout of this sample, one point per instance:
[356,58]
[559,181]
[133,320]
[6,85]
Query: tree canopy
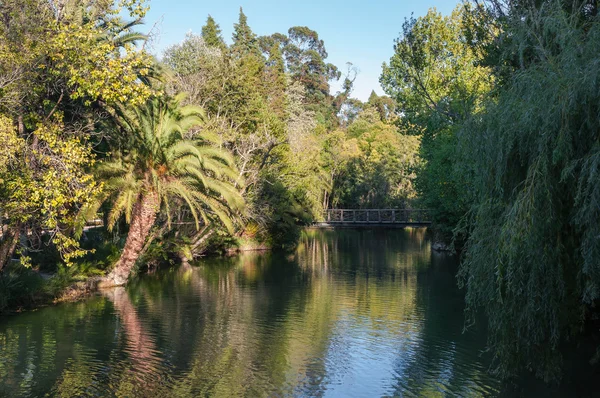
[504,95]
[211,33]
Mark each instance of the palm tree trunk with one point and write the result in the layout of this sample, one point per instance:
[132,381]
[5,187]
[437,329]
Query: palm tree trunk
[196,246]
[142,220]
[8,246]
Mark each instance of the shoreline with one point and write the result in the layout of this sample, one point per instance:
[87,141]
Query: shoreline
[83,289]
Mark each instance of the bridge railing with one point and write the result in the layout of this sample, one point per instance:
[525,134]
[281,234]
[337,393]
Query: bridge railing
[376,216]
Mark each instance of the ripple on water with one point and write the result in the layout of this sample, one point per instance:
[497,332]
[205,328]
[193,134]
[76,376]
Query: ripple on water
[350,314]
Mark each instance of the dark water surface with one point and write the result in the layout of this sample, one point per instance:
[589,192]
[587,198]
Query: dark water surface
[350,314]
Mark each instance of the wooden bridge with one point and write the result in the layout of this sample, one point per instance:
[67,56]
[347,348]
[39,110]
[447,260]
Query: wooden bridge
[374,217]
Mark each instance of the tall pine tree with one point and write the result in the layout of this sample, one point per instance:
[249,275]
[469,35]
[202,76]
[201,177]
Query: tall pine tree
[211,33]
[277,79]
[244,40]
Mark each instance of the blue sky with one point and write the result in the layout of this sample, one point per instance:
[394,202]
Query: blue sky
[361,32]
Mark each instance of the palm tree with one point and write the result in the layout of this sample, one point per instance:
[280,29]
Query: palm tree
[158,168]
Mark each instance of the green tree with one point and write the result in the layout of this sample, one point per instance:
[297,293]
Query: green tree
[211,33]
[244,40]
[438,82]
[59,67]
[434,74]
[305,56]
[273,111]
[276,79]
[385,106]
[380,173]
[160,167]
[533,253]
[246,104]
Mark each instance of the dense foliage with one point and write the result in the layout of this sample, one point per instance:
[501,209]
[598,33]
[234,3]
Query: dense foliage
[165,154]
[299,148]
[59,66]
[506,94]
[438,83]
[533,250]
[491,123]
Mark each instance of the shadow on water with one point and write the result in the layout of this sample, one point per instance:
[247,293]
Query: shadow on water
[349,313]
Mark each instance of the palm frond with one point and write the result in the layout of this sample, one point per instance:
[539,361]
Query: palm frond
[158,159]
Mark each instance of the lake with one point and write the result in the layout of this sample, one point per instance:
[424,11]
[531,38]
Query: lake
[350,313]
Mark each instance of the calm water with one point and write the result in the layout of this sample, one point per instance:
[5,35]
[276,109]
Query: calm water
[351,314]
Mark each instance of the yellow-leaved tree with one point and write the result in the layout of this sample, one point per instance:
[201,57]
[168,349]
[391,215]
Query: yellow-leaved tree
[62,64]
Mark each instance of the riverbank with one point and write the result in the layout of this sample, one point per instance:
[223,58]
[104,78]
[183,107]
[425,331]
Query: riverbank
[26,289]
[248,245]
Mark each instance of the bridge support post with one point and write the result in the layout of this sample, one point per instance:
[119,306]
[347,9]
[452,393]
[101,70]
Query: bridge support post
[393,216]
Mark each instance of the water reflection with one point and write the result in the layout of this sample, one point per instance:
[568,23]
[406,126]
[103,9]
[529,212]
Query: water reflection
[350,313]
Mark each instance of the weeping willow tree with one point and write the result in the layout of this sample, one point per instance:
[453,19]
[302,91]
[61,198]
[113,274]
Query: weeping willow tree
[532,260]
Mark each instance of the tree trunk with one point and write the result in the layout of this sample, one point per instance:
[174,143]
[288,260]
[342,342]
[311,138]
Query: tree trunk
[142,220]
[8,246]
[195,247]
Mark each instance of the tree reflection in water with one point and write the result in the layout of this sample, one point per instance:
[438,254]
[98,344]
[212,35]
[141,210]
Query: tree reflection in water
[350,313]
